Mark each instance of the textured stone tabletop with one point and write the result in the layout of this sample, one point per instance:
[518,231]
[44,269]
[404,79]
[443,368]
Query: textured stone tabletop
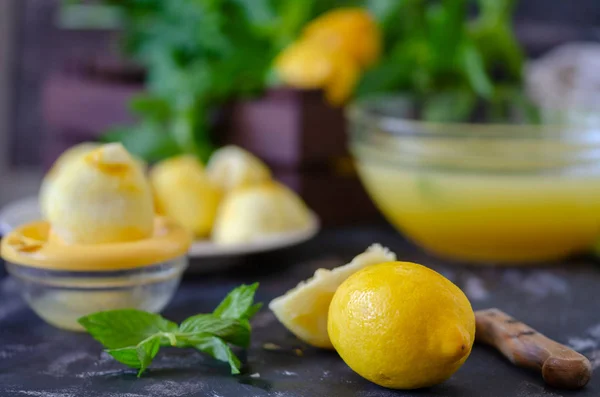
[560,301]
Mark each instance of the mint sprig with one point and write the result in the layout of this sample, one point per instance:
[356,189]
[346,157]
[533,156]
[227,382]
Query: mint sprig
[134,337]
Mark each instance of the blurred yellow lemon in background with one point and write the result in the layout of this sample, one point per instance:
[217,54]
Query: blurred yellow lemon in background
[257,211]
[306,66]
[352,31]
[183,192]
[340,86]
[232,167]
[309,65]
[401,325]
[331,53]
[304,309]
[102,196]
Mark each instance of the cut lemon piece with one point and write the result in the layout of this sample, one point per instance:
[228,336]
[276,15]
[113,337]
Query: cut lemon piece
[303,310]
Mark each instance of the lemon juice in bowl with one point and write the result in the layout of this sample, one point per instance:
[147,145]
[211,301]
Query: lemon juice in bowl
[482,193]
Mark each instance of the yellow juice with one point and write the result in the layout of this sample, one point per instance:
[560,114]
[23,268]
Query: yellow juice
[488,217]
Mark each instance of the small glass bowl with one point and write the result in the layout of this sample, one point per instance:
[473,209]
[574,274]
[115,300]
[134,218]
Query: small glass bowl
[63,282]
[61,297]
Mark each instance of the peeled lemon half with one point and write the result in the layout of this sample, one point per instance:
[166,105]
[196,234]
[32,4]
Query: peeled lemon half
[304,309]
[101,197]
[67,158]
[64,162]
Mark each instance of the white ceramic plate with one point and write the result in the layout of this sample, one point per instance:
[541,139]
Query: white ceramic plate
[27,210]
[206,248]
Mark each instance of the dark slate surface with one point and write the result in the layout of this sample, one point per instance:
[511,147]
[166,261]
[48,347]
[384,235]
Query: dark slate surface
[560,301]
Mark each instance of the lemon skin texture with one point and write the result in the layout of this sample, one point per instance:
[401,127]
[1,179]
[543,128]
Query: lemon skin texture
[401,325]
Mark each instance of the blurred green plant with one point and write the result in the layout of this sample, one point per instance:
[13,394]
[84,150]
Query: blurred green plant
[201,53]
[450,60]
[198,54]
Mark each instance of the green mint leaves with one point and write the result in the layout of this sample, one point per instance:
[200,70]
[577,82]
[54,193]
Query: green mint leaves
[134,337]
[117,329]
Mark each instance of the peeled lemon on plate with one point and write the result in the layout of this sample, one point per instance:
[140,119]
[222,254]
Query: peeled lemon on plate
[183,192]
[304,309]
[401,325]
[233,167]
[262,210]
[101,197]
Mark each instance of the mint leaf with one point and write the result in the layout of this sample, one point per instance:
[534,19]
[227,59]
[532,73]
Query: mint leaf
[126,355]
[117,329]
[134,337]
[146,352]
[216,348]
[139,356]
[238,304]
[253,310]
[230,330]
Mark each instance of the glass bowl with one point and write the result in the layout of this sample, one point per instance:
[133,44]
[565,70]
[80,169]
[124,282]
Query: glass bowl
[61,297]
[480,193]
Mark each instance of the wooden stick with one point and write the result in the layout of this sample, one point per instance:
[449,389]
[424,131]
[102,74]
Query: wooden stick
[561,367]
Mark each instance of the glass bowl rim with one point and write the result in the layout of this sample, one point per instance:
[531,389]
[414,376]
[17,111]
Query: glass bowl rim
[124,278]
[367,111]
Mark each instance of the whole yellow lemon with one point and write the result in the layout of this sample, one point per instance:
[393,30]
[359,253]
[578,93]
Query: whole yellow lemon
[401,325]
